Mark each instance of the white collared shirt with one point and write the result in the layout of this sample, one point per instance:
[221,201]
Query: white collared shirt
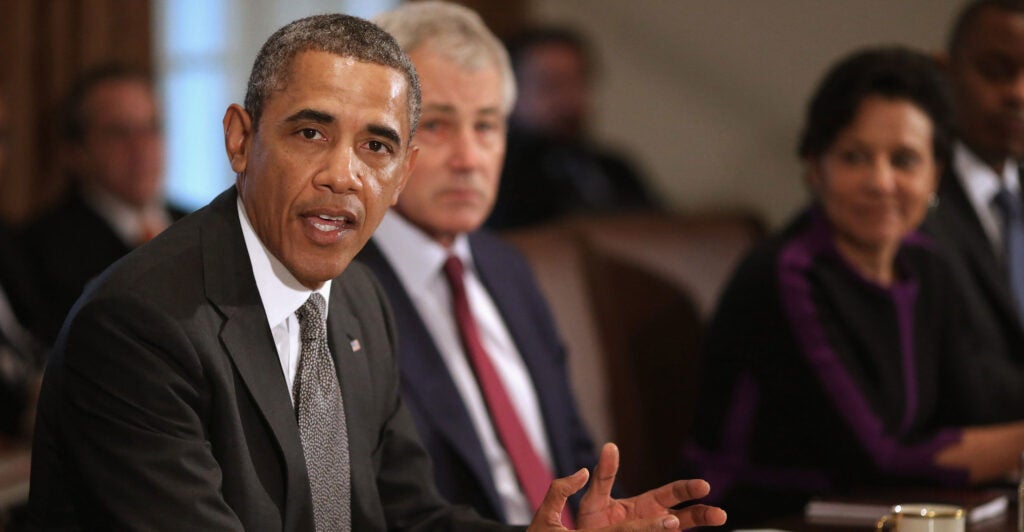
[419,261]
[126,221]
[281,295]
[981,183]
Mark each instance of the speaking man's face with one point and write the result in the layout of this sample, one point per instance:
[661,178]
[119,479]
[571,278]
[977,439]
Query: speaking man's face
[328,159]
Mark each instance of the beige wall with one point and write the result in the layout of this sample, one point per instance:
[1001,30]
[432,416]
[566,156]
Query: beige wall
[708,95]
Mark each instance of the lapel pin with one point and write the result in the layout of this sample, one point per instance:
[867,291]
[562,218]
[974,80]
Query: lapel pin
[355,345]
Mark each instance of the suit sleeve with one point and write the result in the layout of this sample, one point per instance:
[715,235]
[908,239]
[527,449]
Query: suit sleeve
[132,401]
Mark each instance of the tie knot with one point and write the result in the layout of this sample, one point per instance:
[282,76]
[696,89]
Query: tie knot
[1008,203]
[311,313]
[453,270]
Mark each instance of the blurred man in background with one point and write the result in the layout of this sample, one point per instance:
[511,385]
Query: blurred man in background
[115,155]
[978,218]
[548,148]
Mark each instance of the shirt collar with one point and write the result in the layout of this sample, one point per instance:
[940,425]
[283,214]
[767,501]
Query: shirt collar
[123,218]
[415,256]
[282,294]
[979,180]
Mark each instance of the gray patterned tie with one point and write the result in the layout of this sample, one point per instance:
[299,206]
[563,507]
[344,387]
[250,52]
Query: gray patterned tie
[321,416]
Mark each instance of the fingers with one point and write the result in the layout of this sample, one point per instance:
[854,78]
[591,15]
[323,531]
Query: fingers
[701,515]
[604,476]
[679,491]
[550,511]
[657,524]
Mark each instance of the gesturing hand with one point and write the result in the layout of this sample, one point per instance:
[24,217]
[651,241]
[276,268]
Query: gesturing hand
[649,511]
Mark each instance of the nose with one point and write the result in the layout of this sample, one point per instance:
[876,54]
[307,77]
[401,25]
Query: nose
[342,172]
[465,154]
[882,175]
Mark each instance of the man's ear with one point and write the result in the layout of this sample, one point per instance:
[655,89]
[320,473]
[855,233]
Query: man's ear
[238,134]
[407,168]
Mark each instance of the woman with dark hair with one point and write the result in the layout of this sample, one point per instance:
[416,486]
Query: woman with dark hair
[837,356]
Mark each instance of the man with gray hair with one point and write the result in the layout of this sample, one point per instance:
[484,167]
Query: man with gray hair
[237,372]
[484,376]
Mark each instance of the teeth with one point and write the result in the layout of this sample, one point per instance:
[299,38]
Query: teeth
[324,227]
[333,218]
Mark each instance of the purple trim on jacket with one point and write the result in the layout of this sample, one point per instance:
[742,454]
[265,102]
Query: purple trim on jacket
[795,260]
[723,467]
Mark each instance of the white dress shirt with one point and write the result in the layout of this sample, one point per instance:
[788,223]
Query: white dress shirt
[419,261]
[281,295]
[981,183]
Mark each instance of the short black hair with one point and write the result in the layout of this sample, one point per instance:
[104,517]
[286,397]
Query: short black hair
[891,72]
[970,12]
[520,44]
[338,34]
[75,123]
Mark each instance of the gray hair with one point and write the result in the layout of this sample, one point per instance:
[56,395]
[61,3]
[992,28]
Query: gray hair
[454,31]
[342,35]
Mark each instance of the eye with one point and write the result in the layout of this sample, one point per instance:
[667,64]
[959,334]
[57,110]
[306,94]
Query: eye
[309,133]
[377,146]
[435,126]
[486,126]
[995,70]
[852,156]
[905,159]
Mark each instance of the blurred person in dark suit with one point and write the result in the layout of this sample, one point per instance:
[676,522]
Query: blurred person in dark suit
[979,217]
[468,90]
[238,372]
[21,353]
[552,168]
[839,355]
[115,155]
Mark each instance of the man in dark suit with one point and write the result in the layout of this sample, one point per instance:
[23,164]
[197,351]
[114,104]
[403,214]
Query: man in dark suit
[986,66]
[199,385]
[468,90]
[548,145]
[115,154]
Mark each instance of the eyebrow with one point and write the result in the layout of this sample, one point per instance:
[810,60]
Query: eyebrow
[310,114]
[449,109]
[386,132]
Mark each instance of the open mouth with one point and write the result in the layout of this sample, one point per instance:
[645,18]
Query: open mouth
[330,227]
[325,222]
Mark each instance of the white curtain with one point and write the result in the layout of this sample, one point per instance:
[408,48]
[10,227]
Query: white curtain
[204,50]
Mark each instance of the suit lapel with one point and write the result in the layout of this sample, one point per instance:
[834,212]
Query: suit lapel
[246,336]
[425,377]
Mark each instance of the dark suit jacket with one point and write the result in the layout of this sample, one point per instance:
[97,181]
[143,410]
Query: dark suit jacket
[957,228]
[460,467]
[164,405]
[67,247]
[989,307]
[17,281]
[18,289]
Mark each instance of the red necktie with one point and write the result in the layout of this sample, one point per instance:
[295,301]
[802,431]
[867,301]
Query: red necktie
[534,477]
